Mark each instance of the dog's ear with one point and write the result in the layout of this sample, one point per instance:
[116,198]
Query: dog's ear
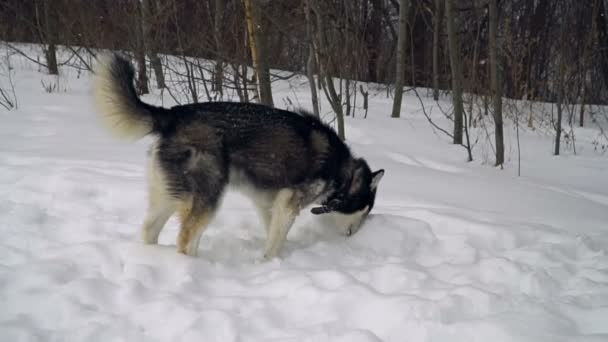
[376,177]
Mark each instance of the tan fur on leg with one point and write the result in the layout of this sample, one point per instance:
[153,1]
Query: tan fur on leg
[284,211]
[194,220]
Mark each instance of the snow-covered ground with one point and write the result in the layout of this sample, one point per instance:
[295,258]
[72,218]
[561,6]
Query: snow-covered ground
[454,251]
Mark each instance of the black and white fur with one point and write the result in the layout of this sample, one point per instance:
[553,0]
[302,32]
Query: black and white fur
[284,160]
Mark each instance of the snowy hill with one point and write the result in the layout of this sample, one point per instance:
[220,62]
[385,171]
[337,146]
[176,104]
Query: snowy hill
[453,251]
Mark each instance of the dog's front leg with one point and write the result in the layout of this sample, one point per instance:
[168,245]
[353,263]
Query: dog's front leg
[283,213]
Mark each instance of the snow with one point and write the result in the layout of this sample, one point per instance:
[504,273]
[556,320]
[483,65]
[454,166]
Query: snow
[453,251]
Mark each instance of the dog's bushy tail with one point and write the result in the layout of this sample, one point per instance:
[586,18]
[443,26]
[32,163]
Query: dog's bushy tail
[118,105]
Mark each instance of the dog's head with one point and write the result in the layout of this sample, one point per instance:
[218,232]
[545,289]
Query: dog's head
[354,200]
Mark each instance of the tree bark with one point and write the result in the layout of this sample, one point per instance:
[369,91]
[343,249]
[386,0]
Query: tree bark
[558,125]
[560,90]
[602,36]
[150,43]
[51,59]
[457,78]
[310,62]
[218,85]
[496,86]
[157,67]
[436,30]
[374,34]
[258,53]
[400,67]
[140,51]
[581,117]
[50,37]
[252,43]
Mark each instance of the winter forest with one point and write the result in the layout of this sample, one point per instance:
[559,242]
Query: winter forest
[490,118]
[478,51]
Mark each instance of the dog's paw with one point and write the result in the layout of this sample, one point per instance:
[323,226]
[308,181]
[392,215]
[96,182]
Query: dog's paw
[148,239]
[263,259]
[270,256]
[191,252]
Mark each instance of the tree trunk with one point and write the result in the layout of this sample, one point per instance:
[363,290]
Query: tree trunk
[140,51]
[336,104]
[49,35]
[436,30]
[602,36]
[558,125]
[258,50]
[412,51]
[157,67]
[401,44]
[51,59]
[457,78]
[310,63]
[218,85]
[252,43]
[150,43]
[496,86]
[581,117]
[374,35]
[264,70]
[560,90]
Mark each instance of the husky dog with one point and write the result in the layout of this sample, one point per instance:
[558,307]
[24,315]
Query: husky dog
[284,160]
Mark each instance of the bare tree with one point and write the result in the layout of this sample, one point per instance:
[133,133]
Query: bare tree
[436,31]
[310,61]
[252,43]
[602,37]
[149,12]
[373,37]
[140,50]
[401,44]
[218,17]
[48,34]
[257,43]
[457,76]
[560,88]
[496,86]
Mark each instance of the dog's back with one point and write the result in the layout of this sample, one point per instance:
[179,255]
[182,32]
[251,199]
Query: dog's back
[274,148]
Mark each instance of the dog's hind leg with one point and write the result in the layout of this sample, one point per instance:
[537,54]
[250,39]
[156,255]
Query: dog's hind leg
[195,217]
[160,205]
[264,213]
[284,210]
[158,214]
